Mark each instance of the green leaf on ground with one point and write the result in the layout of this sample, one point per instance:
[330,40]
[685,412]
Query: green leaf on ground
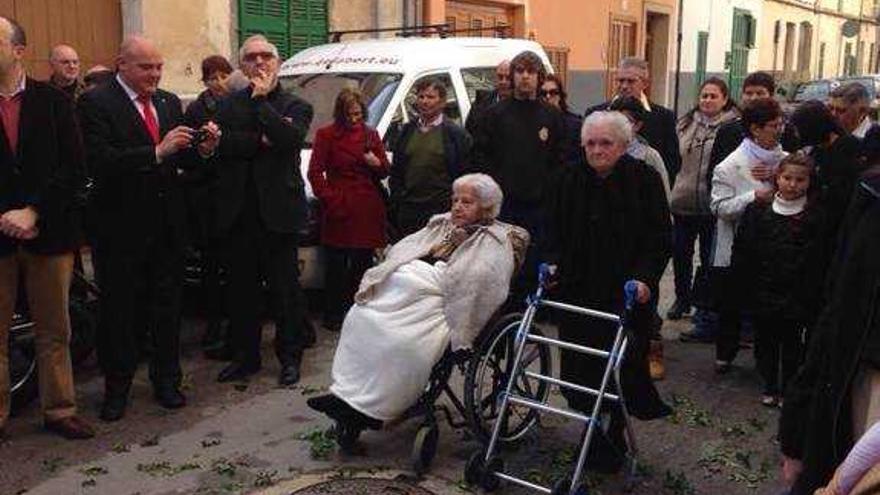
[321,442]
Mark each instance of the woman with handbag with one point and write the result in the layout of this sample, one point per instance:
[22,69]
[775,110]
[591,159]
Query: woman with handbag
[347,165]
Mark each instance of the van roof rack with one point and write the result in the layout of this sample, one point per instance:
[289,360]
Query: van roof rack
[441,30]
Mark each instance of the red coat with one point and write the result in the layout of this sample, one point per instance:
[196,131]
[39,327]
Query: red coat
[352,209]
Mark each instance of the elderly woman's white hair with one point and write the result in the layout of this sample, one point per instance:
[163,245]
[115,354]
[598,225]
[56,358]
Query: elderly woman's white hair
[616,121]
[488,191]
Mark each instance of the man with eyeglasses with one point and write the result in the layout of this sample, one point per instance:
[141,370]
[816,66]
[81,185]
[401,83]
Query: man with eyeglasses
[64,62]
[521,143]
[659,125]
[261,206]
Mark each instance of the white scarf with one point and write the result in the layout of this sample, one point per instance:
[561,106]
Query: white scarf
[788,207]
[770,157]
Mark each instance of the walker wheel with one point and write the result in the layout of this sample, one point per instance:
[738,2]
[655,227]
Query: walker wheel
[424,448]
[473,470]
[490,482]
[562,485]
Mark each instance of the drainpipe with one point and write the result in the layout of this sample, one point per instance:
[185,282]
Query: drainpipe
[678,41]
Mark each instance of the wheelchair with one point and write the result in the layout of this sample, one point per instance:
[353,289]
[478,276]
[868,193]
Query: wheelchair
[486,369]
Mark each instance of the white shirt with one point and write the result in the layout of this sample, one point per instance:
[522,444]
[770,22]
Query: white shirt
[864,126]
[140,108]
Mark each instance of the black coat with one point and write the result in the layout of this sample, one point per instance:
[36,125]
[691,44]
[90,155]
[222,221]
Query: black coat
[780,261]
[816,424]
[483,99]
[602,233]
[457,146]
[134,196]
[659,131]
[838,168]
[47,172]
[244,161]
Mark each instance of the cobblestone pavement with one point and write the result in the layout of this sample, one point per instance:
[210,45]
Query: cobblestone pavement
[258,438]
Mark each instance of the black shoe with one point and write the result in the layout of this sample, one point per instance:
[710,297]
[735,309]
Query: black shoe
[219,353]
[694,336]
[169,397]
[308,333]
[236,372]
[113,408]
[679,309]
[289,375]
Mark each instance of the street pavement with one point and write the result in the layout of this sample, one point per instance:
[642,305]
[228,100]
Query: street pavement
[259,438]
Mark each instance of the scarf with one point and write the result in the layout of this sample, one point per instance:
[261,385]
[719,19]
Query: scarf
[454,237]
[788,207]
[770,157]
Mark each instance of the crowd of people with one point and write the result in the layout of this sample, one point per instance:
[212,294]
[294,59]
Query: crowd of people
[784,208]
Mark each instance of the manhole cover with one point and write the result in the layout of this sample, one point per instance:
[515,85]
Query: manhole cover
[363,486]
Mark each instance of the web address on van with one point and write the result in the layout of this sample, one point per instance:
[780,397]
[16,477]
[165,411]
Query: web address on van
[342,60]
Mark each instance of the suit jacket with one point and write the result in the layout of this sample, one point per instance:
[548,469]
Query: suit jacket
[659,131]
[46,172]
[246,165]
[134,198]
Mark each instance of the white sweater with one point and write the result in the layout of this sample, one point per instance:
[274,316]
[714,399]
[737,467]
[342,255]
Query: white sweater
[733,189]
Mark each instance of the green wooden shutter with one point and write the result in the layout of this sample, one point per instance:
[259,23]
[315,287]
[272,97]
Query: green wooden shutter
[308,24]
[739,51]
[270,18]
[702,53]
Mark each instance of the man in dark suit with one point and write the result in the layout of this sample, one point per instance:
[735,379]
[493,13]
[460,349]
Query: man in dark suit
[135,147]
[41,161]
[260,208]
[484,99]
[659,126]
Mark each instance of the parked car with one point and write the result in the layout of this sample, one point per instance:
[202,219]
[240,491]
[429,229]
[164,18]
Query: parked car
[386,71]
[821,90]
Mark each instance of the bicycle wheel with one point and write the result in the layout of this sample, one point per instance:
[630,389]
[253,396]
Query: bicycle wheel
[487,375]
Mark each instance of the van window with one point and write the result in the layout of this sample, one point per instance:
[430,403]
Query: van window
[321,89]
[478,79]
[452,110]
[817,90]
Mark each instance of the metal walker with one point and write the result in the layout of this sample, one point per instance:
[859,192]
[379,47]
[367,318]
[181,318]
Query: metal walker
[485,468]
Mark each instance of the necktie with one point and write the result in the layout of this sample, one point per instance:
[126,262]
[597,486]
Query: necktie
[150,118]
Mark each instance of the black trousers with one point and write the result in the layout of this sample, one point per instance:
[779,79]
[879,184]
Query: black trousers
[256,255]
[344,267]
[140,292]
[687,230]
[778,341]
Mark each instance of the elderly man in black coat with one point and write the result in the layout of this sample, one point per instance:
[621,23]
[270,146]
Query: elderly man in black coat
[826,406]
[659,125]
[609,223]
[261,206]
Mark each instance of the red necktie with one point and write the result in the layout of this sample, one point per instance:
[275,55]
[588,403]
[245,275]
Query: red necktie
[150,118]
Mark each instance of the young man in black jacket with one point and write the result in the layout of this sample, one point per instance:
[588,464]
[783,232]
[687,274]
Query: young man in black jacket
[261,207]
[429,155]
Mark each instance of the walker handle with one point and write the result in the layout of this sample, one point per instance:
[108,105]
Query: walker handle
[545,272]
[630,292]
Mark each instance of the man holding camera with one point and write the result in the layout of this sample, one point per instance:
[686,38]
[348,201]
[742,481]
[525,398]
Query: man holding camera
[136,146]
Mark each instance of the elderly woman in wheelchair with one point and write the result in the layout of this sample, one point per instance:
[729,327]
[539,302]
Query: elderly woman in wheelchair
[434,292]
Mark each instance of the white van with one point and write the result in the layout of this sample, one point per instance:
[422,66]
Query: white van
[386,72]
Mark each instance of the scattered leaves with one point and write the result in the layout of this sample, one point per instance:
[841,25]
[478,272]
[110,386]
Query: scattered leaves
[678,483]
[321,442]
[120,447]
[93,471]
[210,442]
[150,441]
[265,478]
[52,464]
[688,412]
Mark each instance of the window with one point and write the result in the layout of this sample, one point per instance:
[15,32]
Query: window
[291,25]
[452,110]
[623,42]
[478,79]
[817,90]
[821,69]
[788,54]
[805,50]
[702,53]
[559,60]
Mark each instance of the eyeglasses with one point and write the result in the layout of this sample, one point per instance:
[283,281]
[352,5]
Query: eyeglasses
[253,56]
[549,92]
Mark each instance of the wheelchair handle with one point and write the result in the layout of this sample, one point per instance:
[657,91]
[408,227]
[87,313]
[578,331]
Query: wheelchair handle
[545,271]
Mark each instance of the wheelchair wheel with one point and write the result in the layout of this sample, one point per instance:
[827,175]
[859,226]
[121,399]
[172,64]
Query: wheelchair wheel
[487,375]
[424,448]
[23,386]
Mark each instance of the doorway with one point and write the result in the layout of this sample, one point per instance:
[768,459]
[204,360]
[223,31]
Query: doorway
[657,53]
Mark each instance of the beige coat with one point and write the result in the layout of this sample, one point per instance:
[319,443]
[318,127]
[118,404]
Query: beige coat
[477,278]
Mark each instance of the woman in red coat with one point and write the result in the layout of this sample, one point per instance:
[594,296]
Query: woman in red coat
[348,162]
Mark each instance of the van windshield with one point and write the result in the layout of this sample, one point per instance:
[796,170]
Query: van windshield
[321,89]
